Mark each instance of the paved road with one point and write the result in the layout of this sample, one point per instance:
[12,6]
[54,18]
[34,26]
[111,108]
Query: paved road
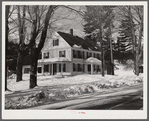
[124,98]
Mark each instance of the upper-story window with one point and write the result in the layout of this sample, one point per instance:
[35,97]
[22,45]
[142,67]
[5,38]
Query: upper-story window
[56,42]
[83,55]
[79,54]
[89,54]
[94,55]
[74,54]
[46,55]
[62,53]
[74,67]
[98,56]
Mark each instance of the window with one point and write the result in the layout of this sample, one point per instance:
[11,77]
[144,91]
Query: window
[89,54]
[86,54]
[82,55]
[74,54]
[89,67]
[98,56]
[62,53]
[74,67]
[79,67]
[46,68]
[94,55]
[64,67]
[39,69]
[40,56]
[26,70]
[79,54]
[98,68]
[56,42]
[83,68]
[46,55]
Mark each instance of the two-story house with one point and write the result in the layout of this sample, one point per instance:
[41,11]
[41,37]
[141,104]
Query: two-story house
[66,54]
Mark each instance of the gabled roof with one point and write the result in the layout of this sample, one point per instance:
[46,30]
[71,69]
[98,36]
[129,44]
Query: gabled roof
[75,40]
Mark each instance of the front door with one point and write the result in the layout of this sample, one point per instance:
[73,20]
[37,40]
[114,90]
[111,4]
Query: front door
[89,68]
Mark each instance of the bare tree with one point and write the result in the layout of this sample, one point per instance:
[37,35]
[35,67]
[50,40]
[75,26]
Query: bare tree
[6,37]
[21,48]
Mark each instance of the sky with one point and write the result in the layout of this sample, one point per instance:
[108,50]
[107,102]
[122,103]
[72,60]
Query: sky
[70,19]
[65,19]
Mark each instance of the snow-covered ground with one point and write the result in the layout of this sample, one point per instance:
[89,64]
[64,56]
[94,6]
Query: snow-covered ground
[120,76]
[76,85]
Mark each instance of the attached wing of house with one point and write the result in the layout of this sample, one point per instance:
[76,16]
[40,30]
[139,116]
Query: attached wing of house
[66,54]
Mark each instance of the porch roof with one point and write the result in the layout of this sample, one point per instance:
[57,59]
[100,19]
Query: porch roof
[52,60]
[93,60]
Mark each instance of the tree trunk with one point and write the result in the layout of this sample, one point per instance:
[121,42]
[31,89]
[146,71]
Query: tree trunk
[137,62]
[19,66]
[139,49]
[6,39]
[102,52]
[111,53]
[133,39]
[21,44]
[34,52]
[33,68]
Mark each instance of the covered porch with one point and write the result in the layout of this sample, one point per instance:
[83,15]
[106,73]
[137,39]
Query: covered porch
[54,66]
[93,65]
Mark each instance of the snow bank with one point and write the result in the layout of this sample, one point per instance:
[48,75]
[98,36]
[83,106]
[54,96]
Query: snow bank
[41,97]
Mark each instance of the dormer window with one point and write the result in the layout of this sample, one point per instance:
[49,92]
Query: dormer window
[46,55]
[56,42]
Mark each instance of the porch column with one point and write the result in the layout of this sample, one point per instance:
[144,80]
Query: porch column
[52,69]
[42,69]
[85,68]
[85,56]
[62,69]
[71,68]
[92,69]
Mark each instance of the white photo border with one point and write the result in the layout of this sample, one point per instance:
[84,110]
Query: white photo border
[69,114]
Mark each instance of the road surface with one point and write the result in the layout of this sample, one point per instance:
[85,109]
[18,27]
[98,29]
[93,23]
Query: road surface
[123,98]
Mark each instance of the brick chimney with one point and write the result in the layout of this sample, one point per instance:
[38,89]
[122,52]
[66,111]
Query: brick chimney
[71,32]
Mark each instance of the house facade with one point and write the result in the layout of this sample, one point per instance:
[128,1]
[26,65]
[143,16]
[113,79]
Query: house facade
[66,54]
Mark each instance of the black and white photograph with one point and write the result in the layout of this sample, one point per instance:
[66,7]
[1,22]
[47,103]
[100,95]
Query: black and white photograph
[74,60]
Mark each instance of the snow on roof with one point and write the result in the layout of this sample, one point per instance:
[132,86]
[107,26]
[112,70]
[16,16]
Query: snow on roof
[77,46]
[93,60]
[53,60]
